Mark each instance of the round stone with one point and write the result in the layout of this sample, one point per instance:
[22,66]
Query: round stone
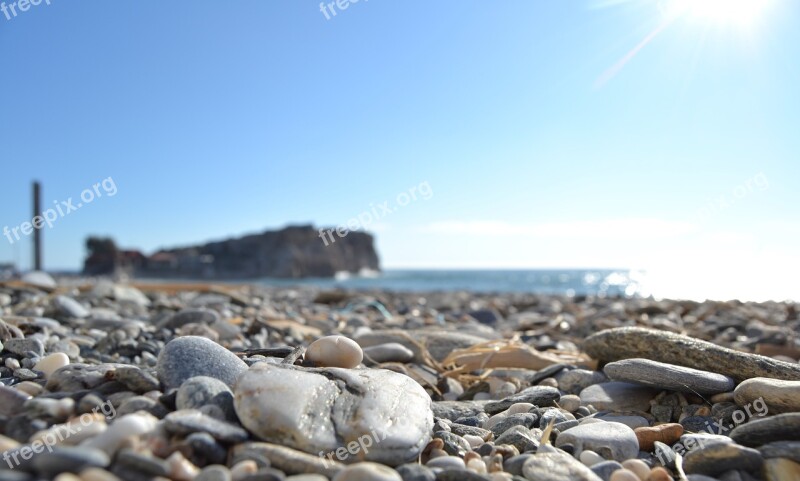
[367,472]
[334,351]
[200,391]
[50,364]
[186,357]
[611,440]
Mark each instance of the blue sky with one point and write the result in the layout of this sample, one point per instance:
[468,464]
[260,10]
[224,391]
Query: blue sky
[223,118]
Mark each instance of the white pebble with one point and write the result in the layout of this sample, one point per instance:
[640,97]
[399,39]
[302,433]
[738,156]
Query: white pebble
[335,351]
[474,441]
[29,387]
[447,462]
[494,420]
[519,408]
[590,458]
[52,363]
[127,426]
[367,472]
[477,465]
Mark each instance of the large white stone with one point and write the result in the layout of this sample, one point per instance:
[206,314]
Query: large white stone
[365,414]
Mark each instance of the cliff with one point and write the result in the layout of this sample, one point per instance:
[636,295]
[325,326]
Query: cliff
[292,252]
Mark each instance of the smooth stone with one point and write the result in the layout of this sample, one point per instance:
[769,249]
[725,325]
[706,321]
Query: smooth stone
[39,279]
[757,432]
[200,391]
[610,440]
[618,396]
[389,352]
[514,464]
[780,469]
[288,460]
[781,449]
[662,346]
[187,421]
[367,472]
[624,475]
[190,316]
[186,357]
[122,428]
[69,459]
[668,376]
[315,410]
[590,458]
[605,469]
[573,381]
[557,467]
[541,396]
[570,402]
[334,351]
[631,421]
[523,419]
[12,401]
[446,462]
[51,363]
[21,347]
[415,472]
[780,396]
[71,307]
[717,458]
[665,433]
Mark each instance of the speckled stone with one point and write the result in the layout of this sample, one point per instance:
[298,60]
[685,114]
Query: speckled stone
[662,346]
[186,357]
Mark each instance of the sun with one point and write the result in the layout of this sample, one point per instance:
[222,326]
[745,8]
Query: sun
[739,13]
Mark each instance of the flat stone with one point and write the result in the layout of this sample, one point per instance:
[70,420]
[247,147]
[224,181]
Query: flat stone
[668,376]
[454,410]
[288,460]
[662,346]
[190,316]
[415,472]
[717,458]
[757,432]
[520,437]
[389,352]
[325,409]
[573,381]
[780,396]
[21,347]
[541,396]
[70,307]
[618,396]
[68,459]
[611,440]
[781,449]
[187,421]
[780,469]
[77,376]
[557,467]
[186,357]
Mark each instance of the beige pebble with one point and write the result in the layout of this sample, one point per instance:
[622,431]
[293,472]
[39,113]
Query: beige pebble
[590,458]
[659,474]
[180,468]
[501,476]
[624,475]
[477,465]
[67,477]
[519,408]
[243,469]
[29,387]
[52,363]
[548,382]
[7,443]
[781,469]
[570,402]
[367,472]
[722,397]
[334,351]
[637,466]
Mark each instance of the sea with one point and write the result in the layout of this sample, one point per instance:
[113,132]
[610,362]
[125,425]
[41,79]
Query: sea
[569,282]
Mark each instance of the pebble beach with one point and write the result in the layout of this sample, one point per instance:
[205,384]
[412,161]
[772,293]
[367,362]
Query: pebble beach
[109,381]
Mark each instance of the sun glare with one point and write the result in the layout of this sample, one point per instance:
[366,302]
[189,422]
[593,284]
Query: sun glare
[742,13]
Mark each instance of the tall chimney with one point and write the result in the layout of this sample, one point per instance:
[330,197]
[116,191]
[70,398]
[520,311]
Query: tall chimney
[37,233]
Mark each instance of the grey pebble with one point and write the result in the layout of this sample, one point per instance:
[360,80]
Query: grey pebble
[415,472]
[537,395]
[668,376]
[200,391]
[760,431]
[23,347]
[186,357]
[187,421]
[68,459]
[716,458]
[214,472]
[618,396]
[605,469]
[611,440]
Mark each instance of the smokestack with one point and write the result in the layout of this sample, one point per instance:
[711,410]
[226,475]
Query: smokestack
[37,233]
